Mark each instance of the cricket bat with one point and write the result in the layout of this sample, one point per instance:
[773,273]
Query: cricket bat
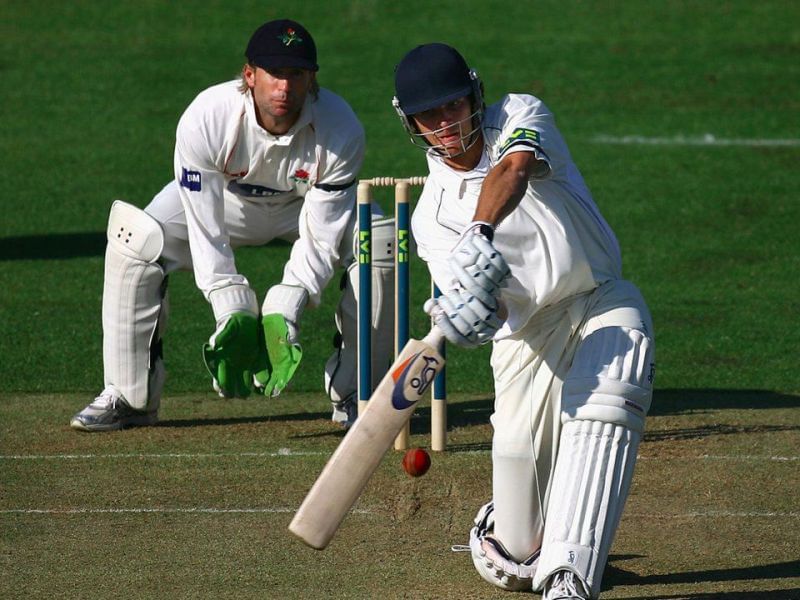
[360,452]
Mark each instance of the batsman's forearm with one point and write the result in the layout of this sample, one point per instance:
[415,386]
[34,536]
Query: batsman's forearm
[504,188]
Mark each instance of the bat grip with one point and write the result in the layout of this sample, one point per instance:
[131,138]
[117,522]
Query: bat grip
[434,337]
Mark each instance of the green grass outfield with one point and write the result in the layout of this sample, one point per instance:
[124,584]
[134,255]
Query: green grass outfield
[683,116]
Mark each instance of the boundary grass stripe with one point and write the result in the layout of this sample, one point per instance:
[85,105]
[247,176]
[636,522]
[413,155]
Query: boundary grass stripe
[704,140]
[706,514]
[156,510]
[286,452]
[280,453]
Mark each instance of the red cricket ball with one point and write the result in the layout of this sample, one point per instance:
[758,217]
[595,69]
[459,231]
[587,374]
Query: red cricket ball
[416,462]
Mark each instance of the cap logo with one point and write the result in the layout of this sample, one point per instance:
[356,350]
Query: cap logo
[290,37]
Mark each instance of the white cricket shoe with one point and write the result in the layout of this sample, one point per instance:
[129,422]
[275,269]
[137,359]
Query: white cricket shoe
[345,412]
[564,585]
[109,412]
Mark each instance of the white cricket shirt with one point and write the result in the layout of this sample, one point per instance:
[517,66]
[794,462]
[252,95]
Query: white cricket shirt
[221,150]
[556,242]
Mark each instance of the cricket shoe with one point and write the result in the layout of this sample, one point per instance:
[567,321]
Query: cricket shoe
[109,412]
[564,585]
[345,411]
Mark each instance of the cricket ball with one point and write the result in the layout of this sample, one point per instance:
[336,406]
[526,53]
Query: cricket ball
[416,462]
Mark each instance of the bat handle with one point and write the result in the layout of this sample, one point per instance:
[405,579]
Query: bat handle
[434,337]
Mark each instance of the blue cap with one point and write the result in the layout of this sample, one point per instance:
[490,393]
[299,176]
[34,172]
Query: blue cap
[282,43]
[429,76]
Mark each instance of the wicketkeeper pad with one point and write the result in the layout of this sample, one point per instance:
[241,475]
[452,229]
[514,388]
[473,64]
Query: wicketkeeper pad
[134,306]
[341,368]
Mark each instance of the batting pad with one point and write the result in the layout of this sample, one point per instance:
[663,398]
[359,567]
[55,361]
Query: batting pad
[133,294]
[588,492]
[611,378]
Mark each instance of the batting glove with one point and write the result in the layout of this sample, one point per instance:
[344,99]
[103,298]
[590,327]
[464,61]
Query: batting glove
[230,355]
[464,319]
[478,265]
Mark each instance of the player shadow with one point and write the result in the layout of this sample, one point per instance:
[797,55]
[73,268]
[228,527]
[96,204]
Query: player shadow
[53,246]
[676,401]
[247,420]
[476,412]
[617,576]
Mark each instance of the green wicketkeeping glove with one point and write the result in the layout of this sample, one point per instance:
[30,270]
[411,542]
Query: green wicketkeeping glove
[230,355]
[279,355]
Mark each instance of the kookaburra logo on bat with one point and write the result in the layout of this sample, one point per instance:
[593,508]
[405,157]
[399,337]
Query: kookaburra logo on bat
[419,383]
[426,376]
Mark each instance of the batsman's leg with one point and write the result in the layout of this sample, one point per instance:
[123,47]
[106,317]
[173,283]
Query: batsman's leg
[605,398]
[341,367]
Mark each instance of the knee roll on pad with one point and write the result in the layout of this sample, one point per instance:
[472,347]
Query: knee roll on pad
[341,369]
[134,233]
[611,378]
[492,561]
[134,310]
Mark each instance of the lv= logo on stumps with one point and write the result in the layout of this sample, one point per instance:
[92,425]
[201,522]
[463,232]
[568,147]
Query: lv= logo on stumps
[402,297]
[383,414]
[358,455]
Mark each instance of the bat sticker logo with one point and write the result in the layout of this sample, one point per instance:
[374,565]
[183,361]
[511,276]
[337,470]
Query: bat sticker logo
[419,383]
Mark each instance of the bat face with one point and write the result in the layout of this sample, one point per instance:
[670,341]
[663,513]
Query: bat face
[360,452]
[413,377]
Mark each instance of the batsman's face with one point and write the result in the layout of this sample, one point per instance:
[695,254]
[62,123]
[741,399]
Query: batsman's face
[279,95]
[447,126]
[450,130]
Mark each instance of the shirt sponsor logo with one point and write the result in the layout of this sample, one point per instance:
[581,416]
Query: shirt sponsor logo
[248,190]
[191,180]
[521,135]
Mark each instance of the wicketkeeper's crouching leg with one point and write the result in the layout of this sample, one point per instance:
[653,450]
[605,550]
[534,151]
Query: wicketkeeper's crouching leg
[341,370]
[135,310]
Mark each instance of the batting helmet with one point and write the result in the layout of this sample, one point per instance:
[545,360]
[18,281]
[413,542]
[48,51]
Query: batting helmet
[432,75]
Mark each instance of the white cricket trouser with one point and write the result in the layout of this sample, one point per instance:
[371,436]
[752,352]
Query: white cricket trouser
[529,370]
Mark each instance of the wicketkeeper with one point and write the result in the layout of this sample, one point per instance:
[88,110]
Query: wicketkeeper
[268,156]
[510,231]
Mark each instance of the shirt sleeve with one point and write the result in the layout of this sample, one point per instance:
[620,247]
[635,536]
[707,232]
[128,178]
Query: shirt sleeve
[525,126]
[200,184]
[327,211]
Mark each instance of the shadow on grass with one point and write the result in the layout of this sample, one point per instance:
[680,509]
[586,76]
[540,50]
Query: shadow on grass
[678,401]
[617,576]
[53,246]
[223,421]
[476,412]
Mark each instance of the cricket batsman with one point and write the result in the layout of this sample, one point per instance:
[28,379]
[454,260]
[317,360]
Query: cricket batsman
[267,156]
[512,235]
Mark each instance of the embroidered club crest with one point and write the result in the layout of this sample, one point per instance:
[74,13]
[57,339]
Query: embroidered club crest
[300,176]
[290,37]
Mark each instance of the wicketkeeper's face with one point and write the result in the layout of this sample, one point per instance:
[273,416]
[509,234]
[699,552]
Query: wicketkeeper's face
[279,95]
[448,127]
